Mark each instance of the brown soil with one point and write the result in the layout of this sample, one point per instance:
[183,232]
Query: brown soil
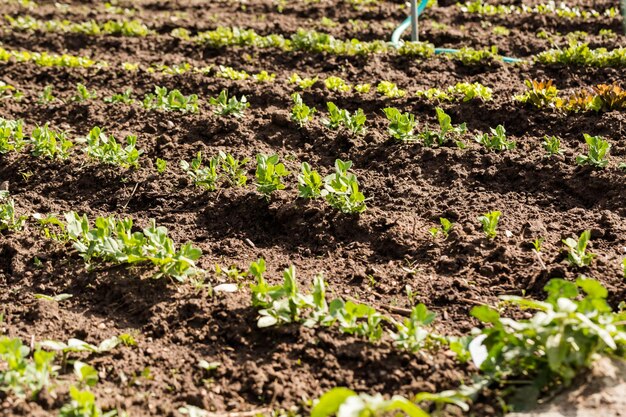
[371,257]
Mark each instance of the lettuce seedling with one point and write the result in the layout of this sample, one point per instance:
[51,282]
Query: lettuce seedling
[440,138]
[205,177]
[540,93]
[401,125]
[336,84]
[107,150]
[300,112]
[303,83]
[225,106]
[83,94]
[489,222]
[264,77]
[309,182]
[268,174]
[49,143]
[597,154]
[233,168]
[341,189]
[390,90]
[161,166]
[496,141]
[11,135]
[577,250]
[83,404]
[363,88]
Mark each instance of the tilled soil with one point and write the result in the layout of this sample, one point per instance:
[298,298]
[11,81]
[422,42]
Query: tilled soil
[371,257]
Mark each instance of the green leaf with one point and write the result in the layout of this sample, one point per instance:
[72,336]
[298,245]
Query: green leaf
[330,402]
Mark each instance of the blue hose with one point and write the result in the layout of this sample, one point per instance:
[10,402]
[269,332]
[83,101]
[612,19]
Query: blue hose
[397,34]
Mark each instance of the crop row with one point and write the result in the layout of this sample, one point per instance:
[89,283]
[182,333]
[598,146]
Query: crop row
[313,41]
[561,10]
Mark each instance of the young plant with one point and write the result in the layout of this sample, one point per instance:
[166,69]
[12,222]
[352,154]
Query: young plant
[336,84]
[489,222]
[25,375]
[113,240]
[225,106]
[170,101]
[540,93]
[108,151]
[446,130]
[390,90]
[161,166]
[303,83]
[341,189]
[46,95]
[552,145]
[401,125]
[300,112]
[446,227]
[496,141]
[411,334]
[83,94]
[83,404]
[569,329]
[8,218]
[336,401]
[205,177]
[309,182]
[49,143]
[597,154]
[233,169]
[11,135]
[268,174]
[124,98]
[353,122]
[577,250]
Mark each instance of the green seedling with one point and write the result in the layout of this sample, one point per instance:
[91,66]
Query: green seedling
[309,182]
[173,100]
[107,150]
[577,250]
[597,154]
[573,325]
[205,177]
[337,399]
[552,145]
[25,375]
[11,135]
[112,240]
[445,229]
[124,98]
[234,171]
[161,166]
[537,244]
[83,404]
[401,125]
[496,141]
[363,88]
[303,83]
[268,174]
[225,106]
[341,189]
[48,143]
[389,90]
[446,130]
[336,84]
[353,122]
[489,222]
[46,96]
[300,112]
[411,334]
[83,94]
